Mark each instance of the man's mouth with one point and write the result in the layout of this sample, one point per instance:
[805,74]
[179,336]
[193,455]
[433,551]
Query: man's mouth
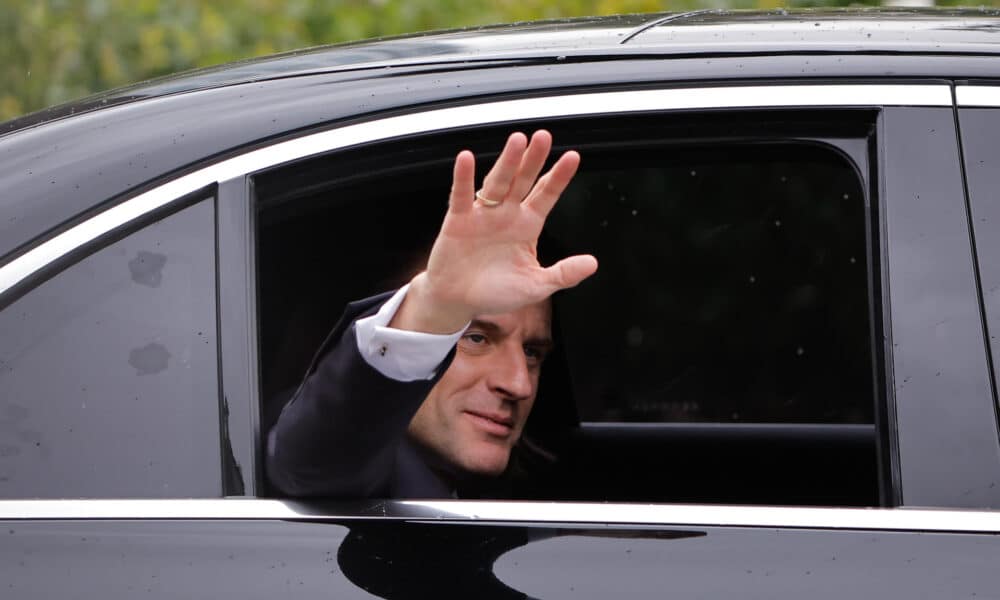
[492,423]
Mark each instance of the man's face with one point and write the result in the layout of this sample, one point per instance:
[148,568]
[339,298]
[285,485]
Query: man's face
[476,412]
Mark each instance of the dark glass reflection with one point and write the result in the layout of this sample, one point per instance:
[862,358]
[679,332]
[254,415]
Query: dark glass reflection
[398,561]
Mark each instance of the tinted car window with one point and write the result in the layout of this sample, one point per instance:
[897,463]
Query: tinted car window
[733,286]
[108,378]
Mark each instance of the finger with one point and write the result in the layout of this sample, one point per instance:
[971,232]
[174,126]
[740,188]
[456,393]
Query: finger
[547,190]
[463,183]
[571,271]
[531,164]
[497,181]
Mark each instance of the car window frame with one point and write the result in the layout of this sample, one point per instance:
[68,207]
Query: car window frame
[239,366]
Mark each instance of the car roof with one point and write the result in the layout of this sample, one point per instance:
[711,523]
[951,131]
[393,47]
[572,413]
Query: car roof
[696,33]
[702,32]
[61,163]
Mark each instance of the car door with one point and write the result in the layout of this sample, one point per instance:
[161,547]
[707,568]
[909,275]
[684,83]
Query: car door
[911,319]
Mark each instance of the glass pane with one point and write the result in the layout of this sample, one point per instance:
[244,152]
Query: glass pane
[732,287]
[108,377]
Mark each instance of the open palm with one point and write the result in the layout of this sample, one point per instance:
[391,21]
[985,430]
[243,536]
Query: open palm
[484,259]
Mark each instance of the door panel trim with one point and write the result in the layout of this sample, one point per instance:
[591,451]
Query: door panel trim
[604,514]
[977,95]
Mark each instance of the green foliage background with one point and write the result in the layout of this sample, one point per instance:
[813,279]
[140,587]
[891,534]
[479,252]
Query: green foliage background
[52,51]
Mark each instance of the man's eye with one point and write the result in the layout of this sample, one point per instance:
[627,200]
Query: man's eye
[475,343]
[534,354]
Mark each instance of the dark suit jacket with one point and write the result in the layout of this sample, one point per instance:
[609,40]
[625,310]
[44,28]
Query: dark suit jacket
[343,433]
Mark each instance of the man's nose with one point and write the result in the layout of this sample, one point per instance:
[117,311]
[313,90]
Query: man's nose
[509,374]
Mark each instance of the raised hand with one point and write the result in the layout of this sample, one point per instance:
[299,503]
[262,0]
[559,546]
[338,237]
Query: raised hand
[484,260]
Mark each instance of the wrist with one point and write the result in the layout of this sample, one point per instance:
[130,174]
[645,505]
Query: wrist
[425,310]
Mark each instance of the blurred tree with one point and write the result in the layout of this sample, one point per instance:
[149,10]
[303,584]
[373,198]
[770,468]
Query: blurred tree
[52,51]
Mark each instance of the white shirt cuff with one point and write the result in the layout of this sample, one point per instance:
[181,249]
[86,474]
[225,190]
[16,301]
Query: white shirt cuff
[399,354]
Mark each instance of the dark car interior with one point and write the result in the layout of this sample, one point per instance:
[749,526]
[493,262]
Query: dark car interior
[722,354]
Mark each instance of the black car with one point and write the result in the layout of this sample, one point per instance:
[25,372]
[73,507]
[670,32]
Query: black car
[781,383]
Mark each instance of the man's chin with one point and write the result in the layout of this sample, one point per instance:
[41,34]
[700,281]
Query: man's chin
[486,462]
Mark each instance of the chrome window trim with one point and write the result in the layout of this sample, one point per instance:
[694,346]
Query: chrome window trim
[532,513]
[725,97]
[977,95]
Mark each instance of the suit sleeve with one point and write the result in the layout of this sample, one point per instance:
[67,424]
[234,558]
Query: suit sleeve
[338,434]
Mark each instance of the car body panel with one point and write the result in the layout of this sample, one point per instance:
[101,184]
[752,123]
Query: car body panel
[491,552]
[366,559]
[696,33]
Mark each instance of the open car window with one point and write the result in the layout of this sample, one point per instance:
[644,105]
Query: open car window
[723,352]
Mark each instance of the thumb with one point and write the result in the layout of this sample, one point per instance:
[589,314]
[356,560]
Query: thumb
[570,271]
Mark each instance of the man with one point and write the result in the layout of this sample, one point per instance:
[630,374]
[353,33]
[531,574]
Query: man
[413,394]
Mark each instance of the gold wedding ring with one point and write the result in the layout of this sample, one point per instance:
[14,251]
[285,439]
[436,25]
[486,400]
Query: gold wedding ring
[486,201]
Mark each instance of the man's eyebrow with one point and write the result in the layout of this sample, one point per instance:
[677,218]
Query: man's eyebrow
[492,328]
[541,341]
[487,326]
